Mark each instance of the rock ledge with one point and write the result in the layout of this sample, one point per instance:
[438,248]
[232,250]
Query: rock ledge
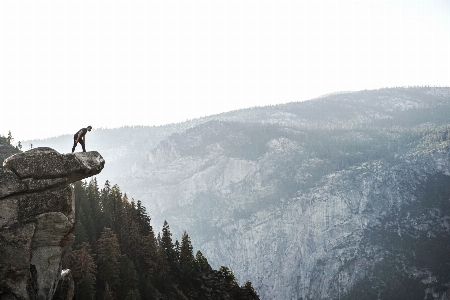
[37,218]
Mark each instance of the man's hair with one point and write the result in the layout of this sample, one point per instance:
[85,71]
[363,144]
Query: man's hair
[89,127]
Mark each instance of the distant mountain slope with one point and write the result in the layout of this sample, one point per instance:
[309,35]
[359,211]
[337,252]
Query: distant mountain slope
[333,197]
[305,199]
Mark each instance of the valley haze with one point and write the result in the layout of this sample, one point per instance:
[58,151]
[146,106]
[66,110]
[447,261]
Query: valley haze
[341,196]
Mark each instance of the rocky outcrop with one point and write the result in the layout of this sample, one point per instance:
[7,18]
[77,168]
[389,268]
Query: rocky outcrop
[37,218]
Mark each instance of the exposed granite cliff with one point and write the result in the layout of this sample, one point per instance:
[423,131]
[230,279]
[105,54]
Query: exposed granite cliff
[344,197]
[37,218]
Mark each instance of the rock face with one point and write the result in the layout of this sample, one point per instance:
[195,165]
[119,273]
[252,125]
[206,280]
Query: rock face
[37,218]
[344,197]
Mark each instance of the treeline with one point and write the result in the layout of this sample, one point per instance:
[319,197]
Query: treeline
[6,147]
[341,147]
[8,140]
[117,255]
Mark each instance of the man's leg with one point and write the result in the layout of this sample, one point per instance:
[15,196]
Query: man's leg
[74,145]
[82,145]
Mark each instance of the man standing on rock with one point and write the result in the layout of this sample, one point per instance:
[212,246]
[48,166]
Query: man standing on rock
[80,137]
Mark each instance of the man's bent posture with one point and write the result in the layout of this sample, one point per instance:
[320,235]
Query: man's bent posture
[80,137]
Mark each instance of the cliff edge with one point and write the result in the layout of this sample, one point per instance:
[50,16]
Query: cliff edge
[37,218]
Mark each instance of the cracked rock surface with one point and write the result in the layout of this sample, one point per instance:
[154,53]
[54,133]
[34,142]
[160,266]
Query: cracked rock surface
[37,218]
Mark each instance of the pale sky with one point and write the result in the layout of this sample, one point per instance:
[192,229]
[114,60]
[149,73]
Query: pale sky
[68,64]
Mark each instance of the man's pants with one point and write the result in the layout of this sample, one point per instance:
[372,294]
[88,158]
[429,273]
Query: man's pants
[75,144]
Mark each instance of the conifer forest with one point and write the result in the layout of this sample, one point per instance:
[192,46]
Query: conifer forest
[117,255]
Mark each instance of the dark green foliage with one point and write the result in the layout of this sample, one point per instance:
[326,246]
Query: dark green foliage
[129,279]
[186,255]
[108,254]
[143,218]
[3,140]
[168,247]
[9,138]
[251,293]
[129,262]
[227,274]
[201,263]
[80,235]
[133,295]
[83,216]
[6,149]
[95,210]
[84,271]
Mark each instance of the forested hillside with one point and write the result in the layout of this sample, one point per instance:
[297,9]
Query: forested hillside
[117,255]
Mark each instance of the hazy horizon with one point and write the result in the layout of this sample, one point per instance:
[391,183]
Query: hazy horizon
[187,120]
[183,121]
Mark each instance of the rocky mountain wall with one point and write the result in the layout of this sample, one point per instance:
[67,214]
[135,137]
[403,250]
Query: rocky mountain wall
[37,215]
[333,198]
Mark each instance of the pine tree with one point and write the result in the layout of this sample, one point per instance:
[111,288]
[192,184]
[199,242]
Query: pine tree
[177,247]
[132,240]
[84,271]
[168,246]
[116,206]
[162,267]
[251,293]
[133,295]
[108,254]
[106,205]
[80,234]
[108,293]
[93,196]
[186,254]
[85,230]
[128,277]
[122,216]
[9,139]
[227,274]
[143,218]
[149,254]
[201,263]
